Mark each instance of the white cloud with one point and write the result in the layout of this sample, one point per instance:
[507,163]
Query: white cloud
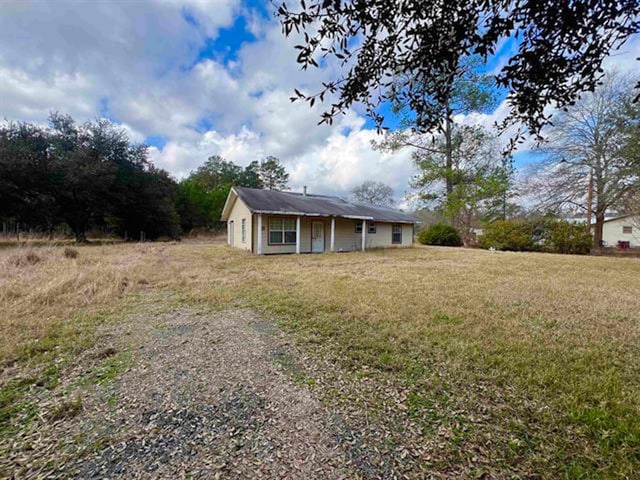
[181,157]
[137,62]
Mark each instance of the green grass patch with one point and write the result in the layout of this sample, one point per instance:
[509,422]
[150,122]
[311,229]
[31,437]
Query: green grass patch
[14,405]
[527,369]
[107,372]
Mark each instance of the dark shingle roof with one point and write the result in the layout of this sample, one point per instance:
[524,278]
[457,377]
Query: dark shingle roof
[272,201]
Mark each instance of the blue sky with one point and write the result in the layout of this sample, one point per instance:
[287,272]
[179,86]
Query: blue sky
[194,78]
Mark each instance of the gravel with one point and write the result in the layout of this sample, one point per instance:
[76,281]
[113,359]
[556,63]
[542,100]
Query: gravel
[218,395]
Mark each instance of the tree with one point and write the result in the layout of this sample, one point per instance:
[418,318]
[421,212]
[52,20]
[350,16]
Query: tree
[251,175]
[216,172]
[84,169]
[272,174]
[145,203]
[441,156]
[471,91]
[470,188]
[408,52]
[26,194]
[592,163]
[82,175]
[376,193]
[201,196]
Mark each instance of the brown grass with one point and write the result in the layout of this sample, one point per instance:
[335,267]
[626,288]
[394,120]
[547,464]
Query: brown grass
[528,361]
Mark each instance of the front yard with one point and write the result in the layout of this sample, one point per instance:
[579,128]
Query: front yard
[427,361]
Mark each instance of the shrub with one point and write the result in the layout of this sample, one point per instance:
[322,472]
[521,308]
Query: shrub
[70,252]
[508,235]
[564,237]
[440,234]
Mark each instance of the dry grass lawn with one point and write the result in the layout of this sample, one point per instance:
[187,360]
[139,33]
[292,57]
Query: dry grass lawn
[511,364]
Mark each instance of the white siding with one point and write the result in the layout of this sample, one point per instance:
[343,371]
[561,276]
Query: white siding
[613,231]
[240,211]
[305,236]
[348,240]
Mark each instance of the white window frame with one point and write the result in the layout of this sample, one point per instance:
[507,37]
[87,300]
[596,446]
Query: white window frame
[630,232]
[359,227]
[371,228]
[287,226]
[244,230]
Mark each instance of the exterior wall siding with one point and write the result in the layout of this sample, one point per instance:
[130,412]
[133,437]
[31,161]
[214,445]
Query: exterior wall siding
[348,240]
[612,232]
[240,211]
[305,236]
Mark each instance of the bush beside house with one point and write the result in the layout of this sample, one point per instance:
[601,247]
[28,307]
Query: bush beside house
[440,234]
[514,235]
[526,236]
[564,237]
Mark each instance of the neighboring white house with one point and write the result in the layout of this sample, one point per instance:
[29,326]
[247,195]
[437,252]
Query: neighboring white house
[622,229]
[272,222]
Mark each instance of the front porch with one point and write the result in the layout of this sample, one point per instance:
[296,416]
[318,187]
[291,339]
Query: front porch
[278,234]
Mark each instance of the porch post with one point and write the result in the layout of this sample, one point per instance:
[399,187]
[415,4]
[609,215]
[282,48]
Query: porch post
[298,234]
[333,234]
[364,233]
[259,234]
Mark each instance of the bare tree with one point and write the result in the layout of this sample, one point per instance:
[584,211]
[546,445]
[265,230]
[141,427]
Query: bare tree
[590,163]
[376,193]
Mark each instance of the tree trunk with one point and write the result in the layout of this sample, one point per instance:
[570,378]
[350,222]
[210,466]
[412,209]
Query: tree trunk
[599,182]
[599,226]
[448,152]
[590,200]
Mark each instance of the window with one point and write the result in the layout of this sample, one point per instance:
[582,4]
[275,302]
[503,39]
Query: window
[396,233]
[627,229]
[244,230]
[371,228]
[282,231]
[358,227]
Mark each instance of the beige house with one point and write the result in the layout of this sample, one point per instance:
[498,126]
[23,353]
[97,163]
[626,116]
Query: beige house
[272,222]
[622,229]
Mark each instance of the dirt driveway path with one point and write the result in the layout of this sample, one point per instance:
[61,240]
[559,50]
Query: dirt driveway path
[207,397]
[201,394]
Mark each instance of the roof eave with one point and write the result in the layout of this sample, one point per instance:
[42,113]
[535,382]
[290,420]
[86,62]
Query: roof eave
[228,204]
[329,215]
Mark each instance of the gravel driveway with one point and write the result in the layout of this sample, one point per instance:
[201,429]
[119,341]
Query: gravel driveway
[207,397]
[215,395]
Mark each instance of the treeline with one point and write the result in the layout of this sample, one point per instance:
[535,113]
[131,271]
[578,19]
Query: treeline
[202,194]
[71,177]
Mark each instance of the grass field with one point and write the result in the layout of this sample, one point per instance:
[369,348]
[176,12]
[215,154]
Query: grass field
[510,364]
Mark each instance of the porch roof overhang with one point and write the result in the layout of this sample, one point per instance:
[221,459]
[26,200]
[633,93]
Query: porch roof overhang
[325,215]
[307,214]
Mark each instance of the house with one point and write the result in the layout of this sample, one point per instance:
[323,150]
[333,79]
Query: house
[625,228]
[271,222]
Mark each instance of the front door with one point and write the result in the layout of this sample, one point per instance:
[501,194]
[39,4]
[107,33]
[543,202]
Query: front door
[317,237]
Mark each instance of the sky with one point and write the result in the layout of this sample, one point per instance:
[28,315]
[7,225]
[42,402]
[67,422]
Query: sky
[195,78]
